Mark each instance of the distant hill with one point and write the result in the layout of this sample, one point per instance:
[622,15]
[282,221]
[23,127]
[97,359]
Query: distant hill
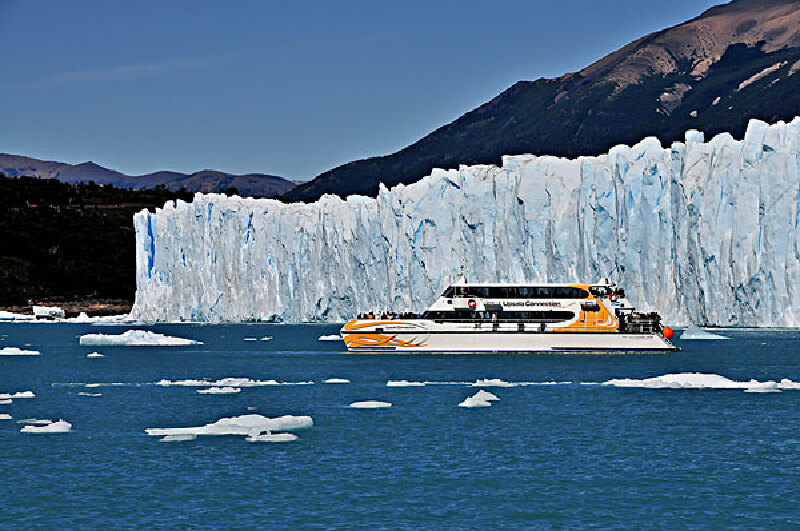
[713,73]
[252,184]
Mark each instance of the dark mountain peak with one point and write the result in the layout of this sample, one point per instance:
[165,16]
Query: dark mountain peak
[714,72]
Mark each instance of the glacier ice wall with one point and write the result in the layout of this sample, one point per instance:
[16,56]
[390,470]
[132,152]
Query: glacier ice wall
[703,232]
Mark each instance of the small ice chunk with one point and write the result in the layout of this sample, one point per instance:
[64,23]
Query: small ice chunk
[136,338]
[177,438]
[695,332]
[219,390]
[61,426]
[485,396]
[226,382]
[6,401]
[370,404]
[39,422]
[94,355]
[5,416]
[249,425]
[83,317]
[476,400]
[694,380]
[404,383]
[16,351]
[493,382]
[786,384]
[92,385]
[251,339]
[336,381]
[266,338]
[20,394]
[331,337]
[83,393]
[272,437]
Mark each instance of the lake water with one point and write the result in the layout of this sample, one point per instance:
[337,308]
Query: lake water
[565,455]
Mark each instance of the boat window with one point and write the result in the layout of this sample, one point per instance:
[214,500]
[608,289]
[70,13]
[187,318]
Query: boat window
[526,292]
[539,316]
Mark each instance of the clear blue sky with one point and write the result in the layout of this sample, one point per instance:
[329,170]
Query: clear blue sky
[289,88]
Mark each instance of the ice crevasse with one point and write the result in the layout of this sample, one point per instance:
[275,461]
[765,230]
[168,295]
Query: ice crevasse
[703,232]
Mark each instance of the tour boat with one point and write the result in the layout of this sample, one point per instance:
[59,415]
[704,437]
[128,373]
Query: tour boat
[491,317]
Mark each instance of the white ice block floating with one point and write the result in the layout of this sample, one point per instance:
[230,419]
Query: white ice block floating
[219,390]
[370,404]
[16,351]
[136,338]
[404,383]
[694,332]
[60,426]
[695,380]
[19,394]
[248,425]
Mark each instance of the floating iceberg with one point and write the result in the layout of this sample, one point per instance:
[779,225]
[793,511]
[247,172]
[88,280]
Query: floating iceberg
[474,402]
[5,416]
[61,426]
[664,223]
[178,438]
[336,381]
[37,422]
[226,382]
[404,383]
[136,338]
[94,355]
[272,437]
[83,393]
[694,332]
[248,425]
[219,391]
[485,396]
[5,401]
[20,394]
[480,399]
[332,337]
[83,317]
[694,380]
[370,404]
[16,351]
[492,382]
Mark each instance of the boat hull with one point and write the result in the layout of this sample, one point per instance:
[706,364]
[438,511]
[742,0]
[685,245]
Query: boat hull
[360,336]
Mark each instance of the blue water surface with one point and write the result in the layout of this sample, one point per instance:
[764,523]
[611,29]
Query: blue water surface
[546,456]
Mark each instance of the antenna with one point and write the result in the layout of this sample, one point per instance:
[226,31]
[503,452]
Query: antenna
[462,277]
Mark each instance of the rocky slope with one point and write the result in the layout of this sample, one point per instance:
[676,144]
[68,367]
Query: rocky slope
[713,73]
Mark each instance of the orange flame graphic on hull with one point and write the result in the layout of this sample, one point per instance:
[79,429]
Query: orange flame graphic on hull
[380,340]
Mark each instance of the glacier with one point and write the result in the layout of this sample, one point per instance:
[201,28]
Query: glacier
[702,232]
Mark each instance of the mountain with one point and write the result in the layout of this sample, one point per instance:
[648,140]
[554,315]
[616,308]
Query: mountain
[252,184]
[713,73]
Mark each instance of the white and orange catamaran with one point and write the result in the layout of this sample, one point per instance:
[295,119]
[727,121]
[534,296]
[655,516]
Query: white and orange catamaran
[515,318]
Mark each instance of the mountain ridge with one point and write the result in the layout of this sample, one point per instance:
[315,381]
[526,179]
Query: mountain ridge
[687,76]
[256,184]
